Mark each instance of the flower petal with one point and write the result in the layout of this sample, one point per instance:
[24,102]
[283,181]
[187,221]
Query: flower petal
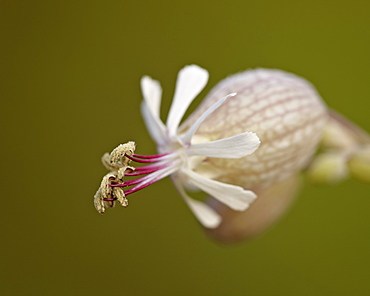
[189,134]
[152,93]
[190,82]
[234,147]
[233,196]
[204,213]
[154,125]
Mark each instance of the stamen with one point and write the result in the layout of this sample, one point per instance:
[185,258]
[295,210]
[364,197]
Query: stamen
[147,169]
[129,183]
[139,187]
[150,156]
[138,180]
[140,160]
[141,172]
[111,190]
[154,177]
[156,166]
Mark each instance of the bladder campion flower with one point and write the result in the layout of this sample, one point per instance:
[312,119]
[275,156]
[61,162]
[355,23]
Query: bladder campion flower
[244,146]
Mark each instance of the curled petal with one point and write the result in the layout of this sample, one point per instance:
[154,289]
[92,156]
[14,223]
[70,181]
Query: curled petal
[234,147]
[190,82]
[154,125]
[233,196]
[189,134]
[204,213]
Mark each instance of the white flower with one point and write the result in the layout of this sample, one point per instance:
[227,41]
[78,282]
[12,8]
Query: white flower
[215,148]
[178,152]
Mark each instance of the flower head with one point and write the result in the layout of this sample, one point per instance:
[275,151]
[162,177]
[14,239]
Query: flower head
[250,137]
[179,152]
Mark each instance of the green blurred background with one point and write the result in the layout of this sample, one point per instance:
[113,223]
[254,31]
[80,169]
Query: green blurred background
[70,73]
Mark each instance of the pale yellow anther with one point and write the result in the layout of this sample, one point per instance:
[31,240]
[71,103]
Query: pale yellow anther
[122,170]
[117,155]
[105,189]
[125,202]
[106,162]
[98,202]
[117,164]
[119,195]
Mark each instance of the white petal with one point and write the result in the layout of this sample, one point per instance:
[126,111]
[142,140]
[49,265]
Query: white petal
[233,196]
[234,147]
[152,93]
[189,134]
[154,125]
[190,82]
[204,213]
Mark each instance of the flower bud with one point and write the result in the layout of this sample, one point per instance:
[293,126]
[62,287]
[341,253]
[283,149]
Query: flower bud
[359,165]
[285,112]
[328,168]
[288,116]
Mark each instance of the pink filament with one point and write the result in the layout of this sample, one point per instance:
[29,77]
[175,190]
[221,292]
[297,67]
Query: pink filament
[150,159]
[139,187]
[144,170]
[150,156]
